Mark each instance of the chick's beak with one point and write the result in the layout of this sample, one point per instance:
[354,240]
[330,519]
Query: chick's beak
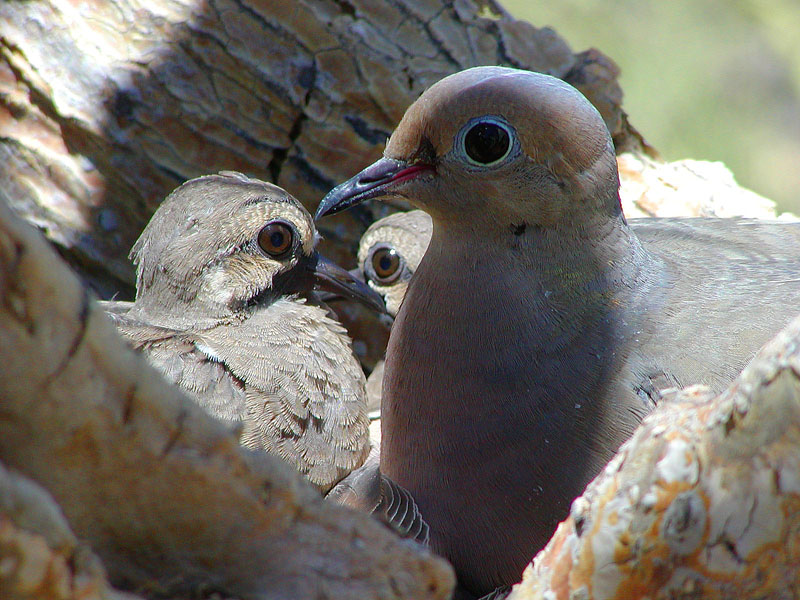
[332,279]
[327,297]
[372,182]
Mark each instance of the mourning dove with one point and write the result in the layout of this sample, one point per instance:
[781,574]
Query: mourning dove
[539,327]
[223,308]
[388,254]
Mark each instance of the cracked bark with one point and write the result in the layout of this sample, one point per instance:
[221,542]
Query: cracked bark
[163,493]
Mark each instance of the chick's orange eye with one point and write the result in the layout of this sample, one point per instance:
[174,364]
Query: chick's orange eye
[386,264]
[276,238]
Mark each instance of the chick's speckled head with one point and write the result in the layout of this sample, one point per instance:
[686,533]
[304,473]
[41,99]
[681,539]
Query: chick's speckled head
[390,251]
[220,241]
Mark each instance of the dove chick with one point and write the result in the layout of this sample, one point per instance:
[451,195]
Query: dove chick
[225,307]
[390,251]
[388,254]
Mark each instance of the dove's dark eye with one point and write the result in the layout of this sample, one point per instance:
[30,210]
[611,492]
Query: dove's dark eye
[385,263]
[276,238]
[487,141]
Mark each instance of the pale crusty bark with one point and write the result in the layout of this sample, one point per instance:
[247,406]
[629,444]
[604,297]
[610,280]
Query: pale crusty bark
[41,557]
[686,188]
[163,493]
[702,502]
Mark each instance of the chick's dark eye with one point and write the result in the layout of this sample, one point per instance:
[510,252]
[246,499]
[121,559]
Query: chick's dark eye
[487,142]
[276,238]
[386,264]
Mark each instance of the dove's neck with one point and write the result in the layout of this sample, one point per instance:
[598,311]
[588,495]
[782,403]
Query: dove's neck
[499,349]
[170,308]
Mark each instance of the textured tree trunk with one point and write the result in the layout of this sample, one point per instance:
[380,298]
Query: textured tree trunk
[42,557]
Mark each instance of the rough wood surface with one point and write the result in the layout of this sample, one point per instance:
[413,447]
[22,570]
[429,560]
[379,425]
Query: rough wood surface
[702,502]
[40,556]
[686,188]
[164,493]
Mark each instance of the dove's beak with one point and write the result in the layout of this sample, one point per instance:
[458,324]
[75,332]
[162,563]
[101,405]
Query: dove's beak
[334,281]
[375,181]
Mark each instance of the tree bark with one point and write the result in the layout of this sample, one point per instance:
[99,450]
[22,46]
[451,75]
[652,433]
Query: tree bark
[163,492]
[41,556]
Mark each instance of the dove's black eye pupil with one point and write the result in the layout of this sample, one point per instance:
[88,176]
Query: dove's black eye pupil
[487,142]
[276,238]
[386,264]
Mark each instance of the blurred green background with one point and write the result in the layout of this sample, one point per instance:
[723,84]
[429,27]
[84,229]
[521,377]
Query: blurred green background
[704,79]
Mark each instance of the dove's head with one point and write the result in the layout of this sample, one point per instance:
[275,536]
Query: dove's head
[222,244]
[390,251]
[495,144]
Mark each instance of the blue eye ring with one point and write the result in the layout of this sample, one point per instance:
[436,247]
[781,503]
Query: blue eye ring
[486,141]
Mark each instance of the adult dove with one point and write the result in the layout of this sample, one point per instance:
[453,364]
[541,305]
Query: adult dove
[539,326]
[224,308]
[388,254]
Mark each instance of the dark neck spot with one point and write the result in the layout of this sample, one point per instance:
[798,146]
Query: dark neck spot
[518,229]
